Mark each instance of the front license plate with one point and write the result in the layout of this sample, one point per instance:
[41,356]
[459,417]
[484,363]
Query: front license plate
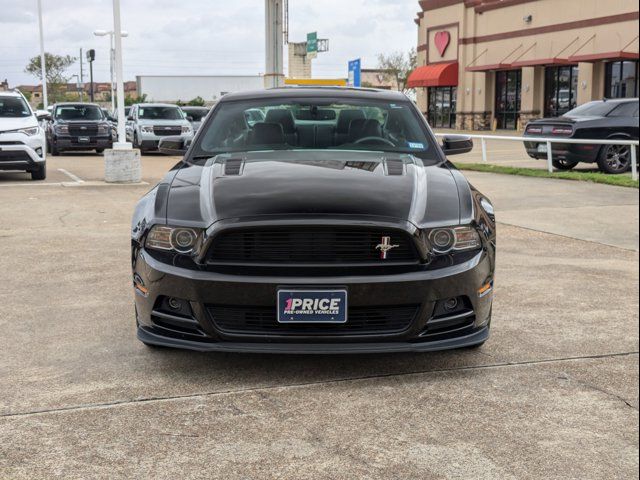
[312,306]
[83,139]
[542,148]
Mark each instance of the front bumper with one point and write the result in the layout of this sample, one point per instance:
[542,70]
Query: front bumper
[67,143]
[571,152]
[204,289]
[150,141]
[21,152]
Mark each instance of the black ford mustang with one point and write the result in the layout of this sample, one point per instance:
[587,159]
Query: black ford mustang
[598,120]
[334,225]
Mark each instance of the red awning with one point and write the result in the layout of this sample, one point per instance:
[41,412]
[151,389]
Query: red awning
[596,57]
[437,75]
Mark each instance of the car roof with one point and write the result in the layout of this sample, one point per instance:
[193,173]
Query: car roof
[156,105]
[193,107]
[618,100]
[317,92]
[71,104]
[10,93]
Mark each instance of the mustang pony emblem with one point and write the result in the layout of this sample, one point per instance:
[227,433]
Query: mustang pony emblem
[385,246]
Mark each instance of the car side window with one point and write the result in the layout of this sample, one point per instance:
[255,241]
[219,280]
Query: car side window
[625,110]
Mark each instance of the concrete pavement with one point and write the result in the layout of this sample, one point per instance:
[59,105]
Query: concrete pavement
[553,394]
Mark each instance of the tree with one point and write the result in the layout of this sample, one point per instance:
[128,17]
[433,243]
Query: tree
[196,102]
[398,66]
[56,66]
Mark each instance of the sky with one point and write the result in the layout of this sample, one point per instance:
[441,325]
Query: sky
[200,37]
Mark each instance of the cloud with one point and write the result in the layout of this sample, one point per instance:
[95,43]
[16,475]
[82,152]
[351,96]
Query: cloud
[206,37]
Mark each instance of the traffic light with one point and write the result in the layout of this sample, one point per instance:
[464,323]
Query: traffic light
[91,55]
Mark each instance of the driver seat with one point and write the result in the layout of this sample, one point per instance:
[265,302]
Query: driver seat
[363,128]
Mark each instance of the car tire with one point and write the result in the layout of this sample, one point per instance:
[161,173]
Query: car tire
[39,173]
[53,150]
[564,164]
[99,150]
[614,159]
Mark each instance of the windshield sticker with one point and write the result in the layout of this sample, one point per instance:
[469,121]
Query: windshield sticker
[416,146]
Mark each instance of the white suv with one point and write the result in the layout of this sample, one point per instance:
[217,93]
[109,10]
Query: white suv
[147,123]
[22,140]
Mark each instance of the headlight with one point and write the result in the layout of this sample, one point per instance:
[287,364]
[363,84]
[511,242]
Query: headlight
[62,129]
[446,240]
[186,129]
[30,131]
[146,129]
[178,239]
[103,129]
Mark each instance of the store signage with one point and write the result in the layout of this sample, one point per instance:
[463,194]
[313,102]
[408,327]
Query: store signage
[442,40]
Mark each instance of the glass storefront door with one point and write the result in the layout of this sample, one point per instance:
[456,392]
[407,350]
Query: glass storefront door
[560,90]
[442,107]
[507,110]
[621,80]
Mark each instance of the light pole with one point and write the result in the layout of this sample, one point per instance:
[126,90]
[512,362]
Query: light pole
[43,66]
[274,76]
[103,33]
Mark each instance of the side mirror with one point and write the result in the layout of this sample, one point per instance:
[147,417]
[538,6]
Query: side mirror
[456,144]
[43,115]
[130,117]
[172,146]
[189,118]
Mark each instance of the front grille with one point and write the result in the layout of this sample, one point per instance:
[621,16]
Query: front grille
[307,245]
[14,156]
[360,321]
[166,131]
[83,130]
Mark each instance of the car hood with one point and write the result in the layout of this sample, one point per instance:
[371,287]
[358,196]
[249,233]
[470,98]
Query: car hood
[314,183]
[143,121]
[14,123]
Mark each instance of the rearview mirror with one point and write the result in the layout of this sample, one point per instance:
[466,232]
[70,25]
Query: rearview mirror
[172,146]
[456,144]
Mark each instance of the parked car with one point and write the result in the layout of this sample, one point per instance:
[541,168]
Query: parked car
[195,116]
[287,237]
[602,119]
[78,126]
[22,139]
[147,123]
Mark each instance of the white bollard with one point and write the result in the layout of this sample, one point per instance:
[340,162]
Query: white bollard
[122,166]
[484,150]
[634,162]
[549,158]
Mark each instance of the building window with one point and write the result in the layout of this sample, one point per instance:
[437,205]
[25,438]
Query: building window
[442,107]
[560,90]
[621,80]
[508,99]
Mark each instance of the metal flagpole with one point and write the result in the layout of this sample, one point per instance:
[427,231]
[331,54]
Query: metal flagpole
[43,66]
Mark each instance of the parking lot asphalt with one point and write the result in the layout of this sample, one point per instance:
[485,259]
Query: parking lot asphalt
[553,393]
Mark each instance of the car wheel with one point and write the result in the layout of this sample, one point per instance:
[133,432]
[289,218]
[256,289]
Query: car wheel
[564,164]
[53,150]
[135,140]
[99,150]
[614,159]
[39,173]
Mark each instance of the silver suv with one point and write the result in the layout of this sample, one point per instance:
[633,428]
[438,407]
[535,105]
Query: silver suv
[147,123]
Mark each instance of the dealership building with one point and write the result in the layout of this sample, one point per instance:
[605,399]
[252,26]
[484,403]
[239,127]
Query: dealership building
[496,64]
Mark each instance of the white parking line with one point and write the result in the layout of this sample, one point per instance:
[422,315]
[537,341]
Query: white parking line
[73,177]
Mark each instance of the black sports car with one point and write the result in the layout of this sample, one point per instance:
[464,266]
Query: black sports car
[312,232]
[603,119]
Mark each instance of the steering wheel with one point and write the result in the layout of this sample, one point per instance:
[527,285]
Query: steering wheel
[374,139]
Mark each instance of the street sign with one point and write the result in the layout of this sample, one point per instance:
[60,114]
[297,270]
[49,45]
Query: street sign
[355,70]
[312,45]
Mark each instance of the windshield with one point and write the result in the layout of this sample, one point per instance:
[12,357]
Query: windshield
[322,124]
[12,107]
[160,113]
[78,112]
[197,114]
[591,109]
